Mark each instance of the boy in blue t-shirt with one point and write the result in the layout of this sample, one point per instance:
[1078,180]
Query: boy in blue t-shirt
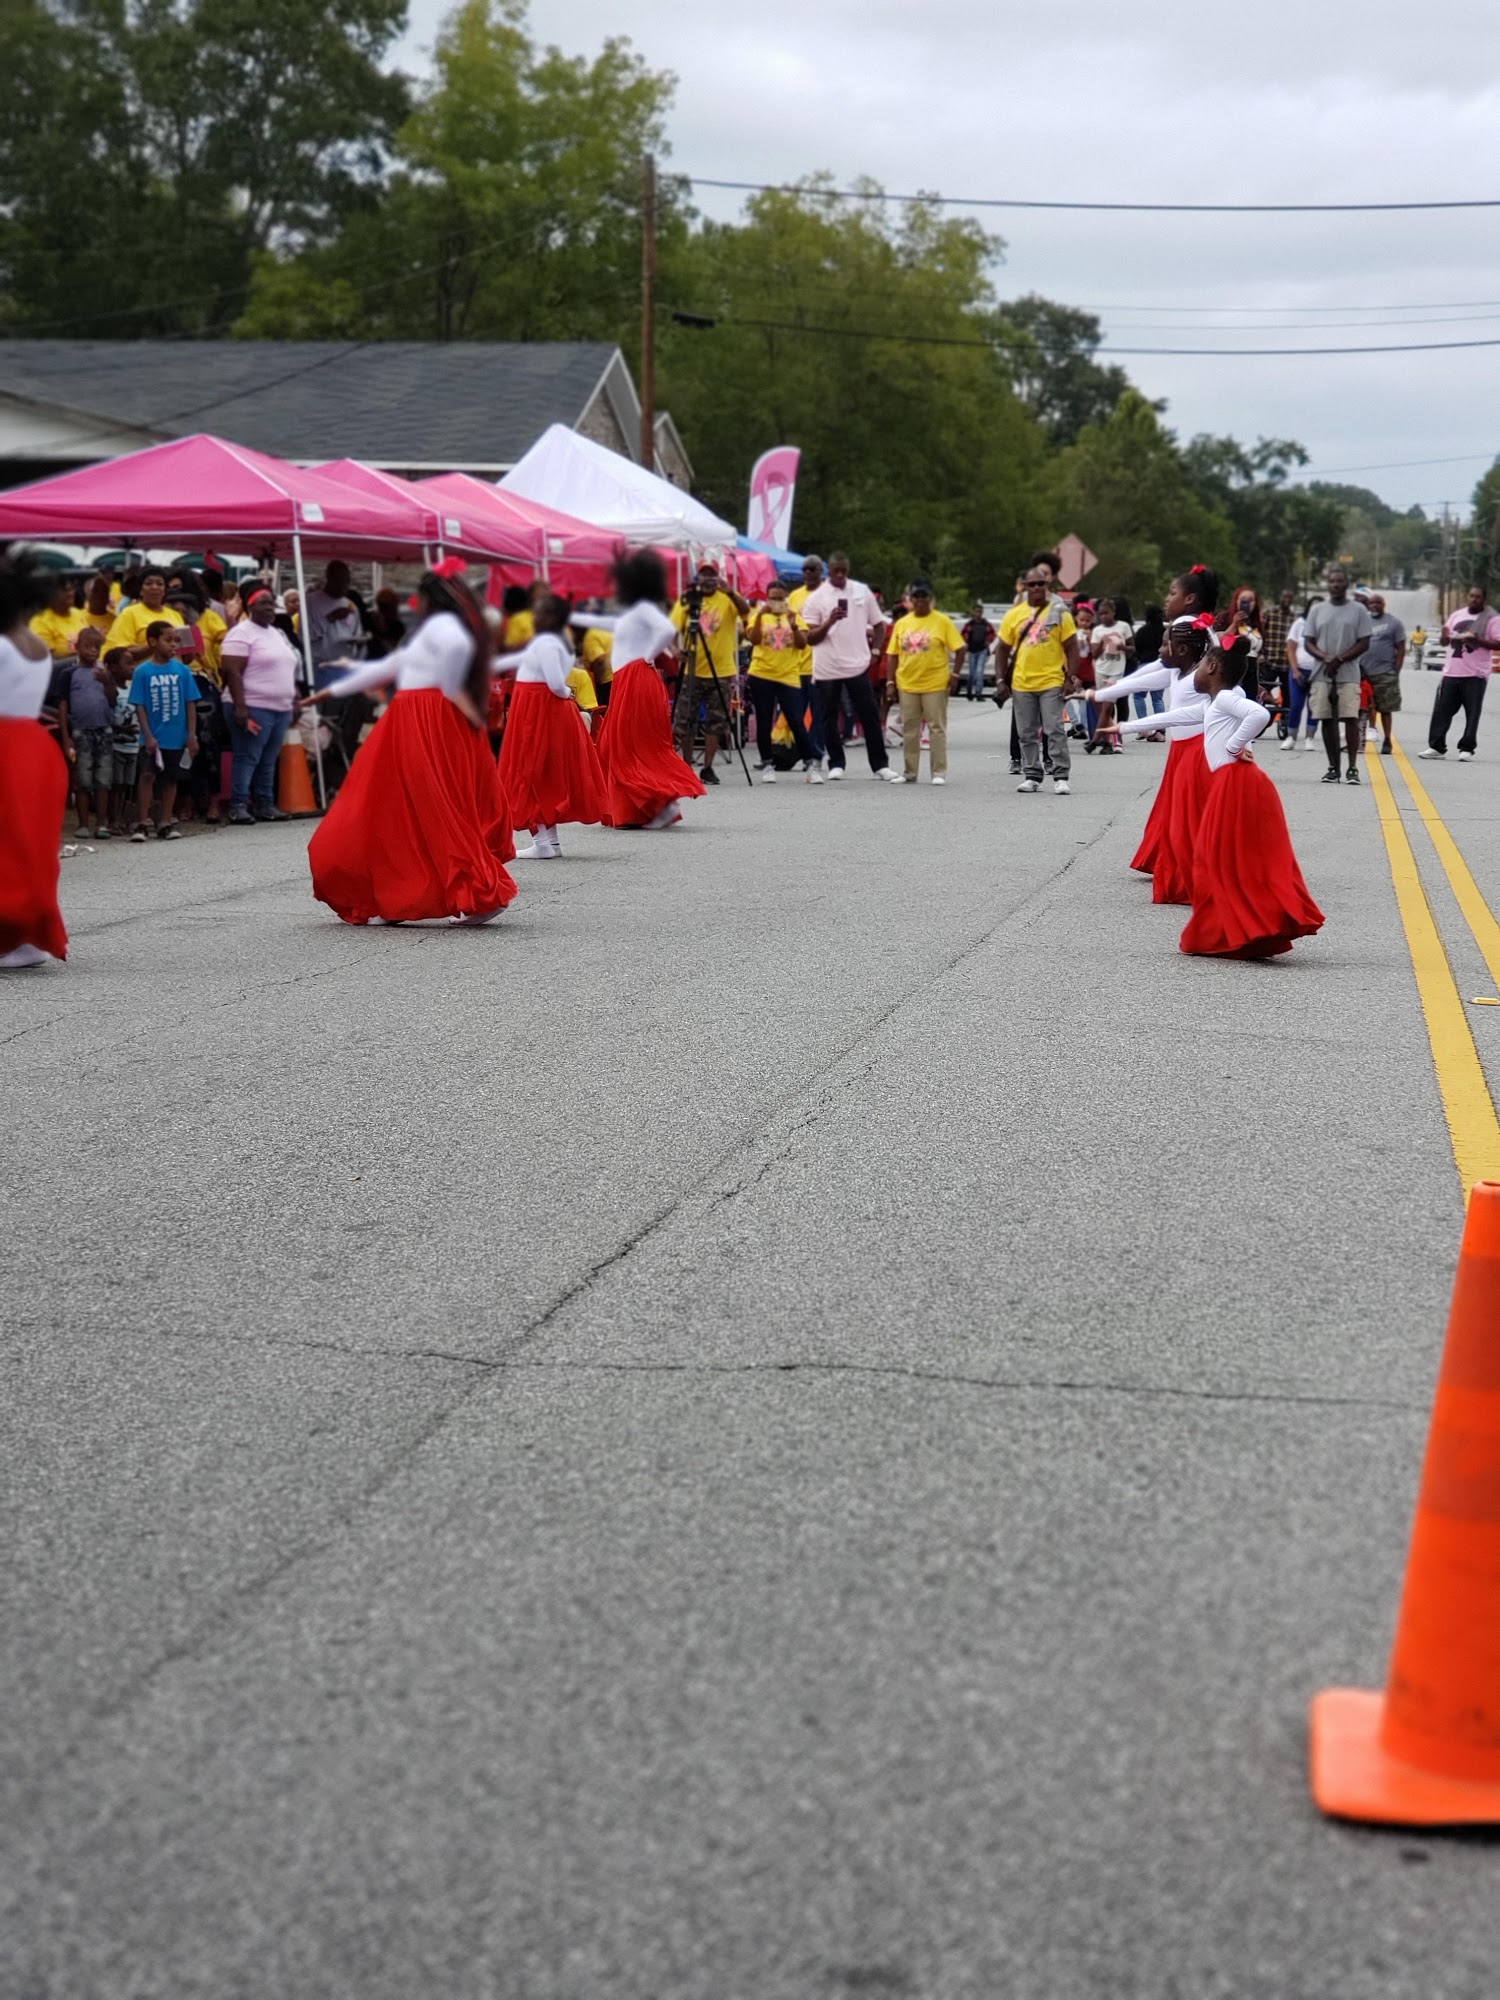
[164,696]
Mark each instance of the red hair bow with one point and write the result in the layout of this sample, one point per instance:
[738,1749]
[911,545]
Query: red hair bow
[450,566]
[1203,622]
[1198,569]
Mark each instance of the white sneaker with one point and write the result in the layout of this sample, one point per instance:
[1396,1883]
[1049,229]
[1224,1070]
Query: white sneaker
[1466,756]
[24,955]
[892,776]
[1288,742]
[768,774]
[814,773]
[539,850]
[835,772]
[940,779]
[1028,785]
[1430,753]
[1062,786]
[476,917]
[1310,745]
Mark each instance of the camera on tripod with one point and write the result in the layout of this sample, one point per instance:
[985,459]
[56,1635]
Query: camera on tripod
[692,598]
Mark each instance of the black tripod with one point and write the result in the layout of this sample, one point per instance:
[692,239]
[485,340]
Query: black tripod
[694,643]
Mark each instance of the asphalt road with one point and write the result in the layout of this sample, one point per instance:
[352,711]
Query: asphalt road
[800,1417]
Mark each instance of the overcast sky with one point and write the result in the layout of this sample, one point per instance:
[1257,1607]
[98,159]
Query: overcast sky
[1093,101]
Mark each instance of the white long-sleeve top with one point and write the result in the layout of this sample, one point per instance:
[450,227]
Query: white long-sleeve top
[547,658]
[1230,723]
[23,682]
[641,633]
[437,655]
[1184,703]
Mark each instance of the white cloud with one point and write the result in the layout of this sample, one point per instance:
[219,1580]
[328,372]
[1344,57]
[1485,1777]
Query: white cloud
[1281,102]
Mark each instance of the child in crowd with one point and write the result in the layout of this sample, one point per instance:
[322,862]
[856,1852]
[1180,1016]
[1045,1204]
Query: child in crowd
[165,698]
[127,741]
[85,722]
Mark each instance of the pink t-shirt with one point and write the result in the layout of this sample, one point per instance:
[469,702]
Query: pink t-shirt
[1475,665]
[846,650]
[270,664]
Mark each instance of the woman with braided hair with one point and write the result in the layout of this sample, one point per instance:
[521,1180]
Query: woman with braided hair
[33,776]
[420,829]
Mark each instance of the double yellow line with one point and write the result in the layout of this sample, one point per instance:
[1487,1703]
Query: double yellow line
[1470,1110]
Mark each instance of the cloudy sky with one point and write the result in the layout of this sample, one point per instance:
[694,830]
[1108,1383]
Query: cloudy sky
[1096,102]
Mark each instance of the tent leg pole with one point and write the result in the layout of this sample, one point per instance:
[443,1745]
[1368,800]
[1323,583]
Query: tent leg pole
[307,663]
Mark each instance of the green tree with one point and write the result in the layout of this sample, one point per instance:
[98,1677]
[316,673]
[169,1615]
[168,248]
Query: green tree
[866,341]
[513,211]
[1282,533]
[1483,552]
[1124,487]
[150,149]
[1049,350]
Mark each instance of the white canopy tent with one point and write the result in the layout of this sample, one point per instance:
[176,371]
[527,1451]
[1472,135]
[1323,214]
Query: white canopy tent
[593,483]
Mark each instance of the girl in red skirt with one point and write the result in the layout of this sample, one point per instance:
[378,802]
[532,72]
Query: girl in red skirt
[33,779]
[549,768]
[645,779]
[1166,849]
[420,829]
[1249,898]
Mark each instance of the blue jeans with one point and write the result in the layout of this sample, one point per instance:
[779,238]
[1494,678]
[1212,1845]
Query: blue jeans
[1297,703]
[977,664]
[252,777]
[1140,700]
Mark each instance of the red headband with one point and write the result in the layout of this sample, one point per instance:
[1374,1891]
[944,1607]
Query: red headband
[258,591]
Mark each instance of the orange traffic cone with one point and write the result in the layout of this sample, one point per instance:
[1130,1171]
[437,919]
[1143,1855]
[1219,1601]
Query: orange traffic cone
[294,792]
[1427,1751]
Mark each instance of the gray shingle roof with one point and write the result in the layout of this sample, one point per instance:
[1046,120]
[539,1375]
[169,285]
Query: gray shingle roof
[397,402]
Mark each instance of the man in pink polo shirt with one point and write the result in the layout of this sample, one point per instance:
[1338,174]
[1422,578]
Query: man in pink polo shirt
[846,631]
[1470,635]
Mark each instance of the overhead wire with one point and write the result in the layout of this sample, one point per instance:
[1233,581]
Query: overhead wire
[814,192]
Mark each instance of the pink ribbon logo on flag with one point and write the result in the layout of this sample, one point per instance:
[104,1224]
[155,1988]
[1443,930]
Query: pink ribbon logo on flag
[773,487]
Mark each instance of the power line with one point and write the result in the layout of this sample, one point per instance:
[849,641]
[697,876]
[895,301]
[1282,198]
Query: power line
[1092,207]
[705,321]
[1398,464]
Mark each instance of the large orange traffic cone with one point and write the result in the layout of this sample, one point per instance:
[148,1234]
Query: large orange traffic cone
[1427,1751]
[294,792]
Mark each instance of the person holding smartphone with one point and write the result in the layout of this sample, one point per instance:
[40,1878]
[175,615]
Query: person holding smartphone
[846,632]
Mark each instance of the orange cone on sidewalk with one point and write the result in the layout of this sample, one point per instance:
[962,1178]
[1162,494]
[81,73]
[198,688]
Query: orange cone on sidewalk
[1427,1751]
[294,792]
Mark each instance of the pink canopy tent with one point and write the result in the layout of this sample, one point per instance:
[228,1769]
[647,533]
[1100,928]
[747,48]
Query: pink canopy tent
[448,521]
[204,490]
[575,555]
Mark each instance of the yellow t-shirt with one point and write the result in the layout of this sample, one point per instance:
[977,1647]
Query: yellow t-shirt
[721,623]
[129,629]
[520,630]
[597,653]
[58,632]
[211,629]
[795,599]
[583,688]
[775,657]
[922,648]
[1042,664]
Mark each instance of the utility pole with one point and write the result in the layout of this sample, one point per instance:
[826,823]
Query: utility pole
[648,313]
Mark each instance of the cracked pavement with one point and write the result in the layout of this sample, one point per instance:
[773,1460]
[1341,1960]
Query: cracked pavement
[801,1416]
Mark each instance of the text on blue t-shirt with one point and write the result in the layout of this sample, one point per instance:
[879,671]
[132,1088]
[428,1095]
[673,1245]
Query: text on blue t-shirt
[165,692]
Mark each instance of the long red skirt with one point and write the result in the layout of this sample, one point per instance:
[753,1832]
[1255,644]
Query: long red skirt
[549,768]
[33,799]
[642,770]
[1249,898]
[1166,849]
[420,827]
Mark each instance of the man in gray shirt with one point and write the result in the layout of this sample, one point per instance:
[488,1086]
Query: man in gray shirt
[1382,664]
[1337,635]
